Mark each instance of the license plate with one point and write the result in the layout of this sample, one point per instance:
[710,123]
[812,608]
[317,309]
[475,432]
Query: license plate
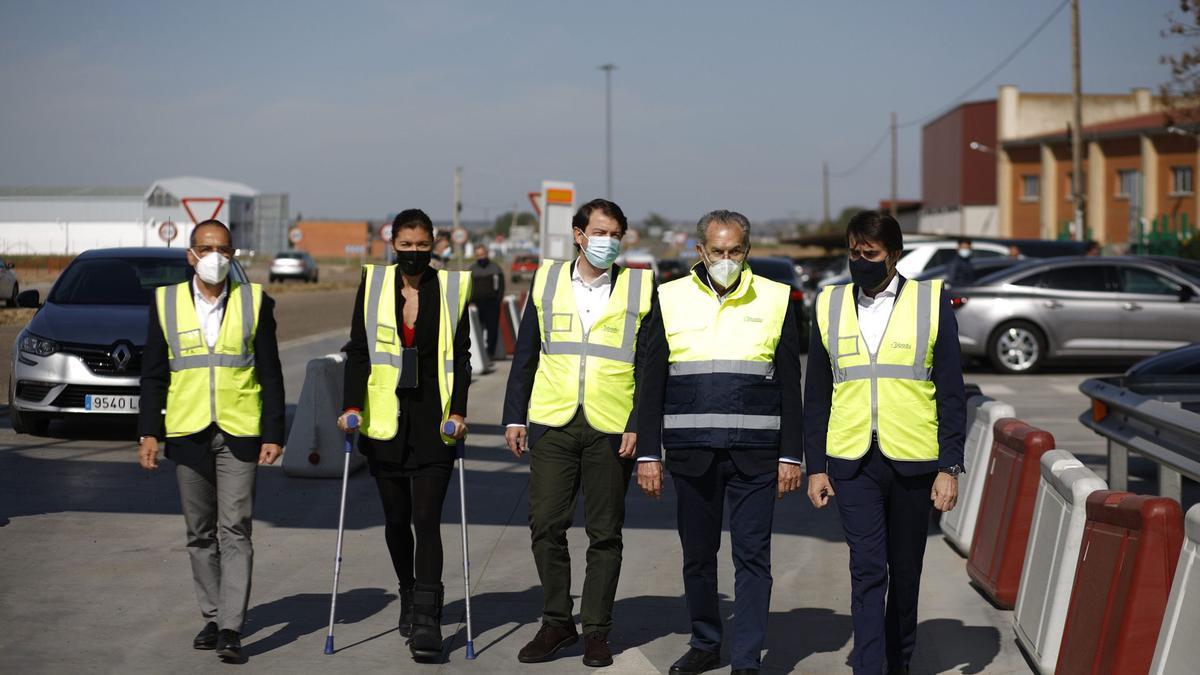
[104,403]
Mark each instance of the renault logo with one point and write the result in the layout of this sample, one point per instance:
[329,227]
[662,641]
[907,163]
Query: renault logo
[121,356]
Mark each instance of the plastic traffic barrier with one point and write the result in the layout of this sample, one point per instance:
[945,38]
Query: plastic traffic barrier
[958,525]
[1059,516]
[1006,509]
[1130,549]
[480,362]
[315,446]
[510,322]
[1178,649]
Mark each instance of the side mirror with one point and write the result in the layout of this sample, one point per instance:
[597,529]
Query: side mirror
[1186,293]
[29,299]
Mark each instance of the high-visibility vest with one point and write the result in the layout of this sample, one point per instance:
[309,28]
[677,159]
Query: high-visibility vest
[890,391]
[721,387]
[594,370]
[384,344]
[211,385]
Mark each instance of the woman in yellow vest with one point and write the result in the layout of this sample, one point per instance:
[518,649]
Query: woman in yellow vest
[884,425]
[408,366]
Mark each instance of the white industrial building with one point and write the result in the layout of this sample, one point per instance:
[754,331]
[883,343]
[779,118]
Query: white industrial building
[70,220]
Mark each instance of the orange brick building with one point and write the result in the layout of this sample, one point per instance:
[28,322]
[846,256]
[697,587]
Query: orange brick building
[329,238]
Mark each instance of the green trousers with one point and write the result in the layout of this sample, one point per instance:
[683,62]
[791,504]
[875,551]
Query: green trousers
[563,461]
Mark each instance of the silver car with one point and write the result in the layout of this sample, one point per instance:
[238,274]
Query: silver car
[9,287]
[81,354]
[1069,308]
[294,265]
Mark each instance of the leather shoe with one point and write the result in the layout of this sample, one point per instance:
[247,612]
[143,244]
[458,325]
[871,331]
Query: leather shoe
[207,637]
[695,661]
[596,652]
[547,642]
[229,645]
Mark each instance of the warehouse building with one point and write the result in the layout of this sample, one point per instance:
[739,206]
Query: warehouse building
[70,220]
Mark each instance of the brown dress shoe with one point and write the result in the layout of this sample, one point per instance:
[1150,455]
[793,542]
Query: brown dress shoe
[596,652]
[547,642]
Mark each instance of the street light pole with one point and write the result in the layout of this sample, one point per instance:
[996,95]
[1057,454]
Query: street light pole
[1077,126]
[608,68]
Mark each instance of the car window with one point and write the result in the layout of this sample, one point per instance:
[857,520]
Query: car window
[1138,280]
[292,255]
[117,281]
[775,270]
[942,256]
[986,253]
[1077,278]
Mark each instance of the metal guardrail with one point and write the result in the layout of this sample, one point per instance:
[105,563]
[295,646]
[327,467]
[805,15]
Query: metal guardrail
[1159,423]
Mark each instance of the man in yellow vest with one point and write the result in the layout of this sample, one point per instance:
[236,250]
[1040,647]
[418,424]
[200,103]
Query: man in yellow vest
[571,400]
[212,389]
[722,391]
[885,418]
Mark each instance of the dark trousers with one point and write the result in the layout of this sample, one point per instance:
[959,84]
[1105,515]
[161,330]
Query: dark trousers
[564,460]
[414,504]
[489,314]
[885,516]
[699,512]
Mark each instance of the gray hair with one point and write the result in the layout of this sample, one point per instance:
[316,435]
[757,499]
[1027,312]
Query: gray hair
[725,217]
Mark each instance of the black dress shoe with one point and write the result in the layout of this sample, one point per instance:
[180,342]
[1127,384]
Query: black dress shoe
[695,661]
[207,637]
[229,645]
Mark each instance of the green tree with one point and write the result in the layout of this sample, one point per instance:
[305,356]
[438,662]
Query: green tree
[505,220]
[1183,89]
[656,220]
[839,225]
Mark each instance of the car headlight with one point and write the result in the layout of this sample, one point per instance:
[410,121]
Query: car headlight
[32,344]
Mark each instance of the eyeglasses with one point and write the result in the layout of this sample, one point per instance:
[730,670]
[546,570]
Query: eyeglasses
[202,251]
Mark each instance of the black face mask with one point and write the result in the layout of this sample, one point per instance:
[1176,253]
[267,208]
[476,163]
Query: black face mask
[868,275]
[413,263]
[482,262]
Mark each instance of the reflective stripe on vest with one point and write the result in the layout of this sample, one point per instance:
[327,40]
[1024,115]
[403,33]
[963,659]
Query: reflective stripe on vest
[896,397]
[592,371]
[225,370]
[721,390]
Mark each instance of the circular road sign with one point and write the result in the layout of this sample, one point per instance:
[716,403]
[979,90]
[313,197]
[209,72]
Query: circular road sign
[295,235]
[459,236]
[385,232]
[168,231]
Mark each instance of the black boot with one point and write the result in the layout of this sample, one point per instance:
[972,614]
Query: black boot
[406,611]
[426,642]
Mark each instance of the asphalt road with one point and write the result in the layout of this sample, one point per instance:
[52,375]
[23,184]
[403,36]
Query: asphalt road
[94,576]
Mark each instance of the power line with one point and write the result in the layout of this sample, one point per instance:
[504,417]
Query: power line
[870,153]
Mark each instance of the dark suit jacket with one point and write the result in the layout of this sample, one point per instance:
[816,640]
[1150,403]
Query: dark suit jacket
[951,401]
[420,407]
[529,350]
[156,376]
[696,461]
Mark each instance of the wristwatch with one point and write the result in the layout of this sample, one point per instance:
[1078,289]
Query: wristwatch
[954,470]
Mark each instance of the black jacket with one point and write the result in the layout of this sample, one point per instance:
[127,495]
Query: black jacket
[951,399]
[529,350]
[748,461]
[420,407]
[487,282]
[156,377]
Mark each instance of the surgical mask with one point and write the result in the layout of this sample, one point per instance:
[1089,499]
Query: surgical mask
[602,251]
[868,275]
[212,268]
[413,263]
[964,253]
[723,272]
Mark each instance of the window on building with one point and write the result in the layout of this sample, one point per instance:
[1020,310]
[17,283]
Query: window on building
[1127,183]
[1181,180]
[162,198]
[1067,188]
[1030,187]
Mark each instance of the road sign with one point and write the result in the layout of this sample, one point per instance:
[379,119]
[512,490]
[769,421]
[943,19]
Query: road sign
[295,235]
[168,231]
[189,201]
[557,207]
[385,232]
[459,236]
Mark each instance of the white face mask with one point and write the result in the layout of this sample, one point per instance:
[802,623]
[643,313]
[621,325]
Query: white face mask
[723,272]
[212,268]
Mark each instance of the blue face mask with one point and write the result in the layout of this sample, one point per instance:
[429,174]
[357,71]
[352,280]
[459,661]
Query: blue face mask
[602,251]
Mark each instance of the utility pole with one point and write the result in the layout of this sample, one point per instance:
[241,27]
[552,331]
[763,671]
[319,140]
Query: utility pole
[894,177]
[825,192]
[457,197]
[608,68]
[1077,127]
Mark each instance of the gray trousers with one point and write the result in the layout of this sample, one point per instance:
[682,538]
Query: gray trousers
[217,495]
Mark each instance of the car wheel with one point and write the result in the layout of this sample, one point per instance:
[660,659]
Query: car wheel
[1017,347]
[316,278]
[12,300]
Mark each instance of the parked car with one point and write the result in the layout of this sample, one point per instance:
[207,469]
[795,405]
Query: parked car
[980,269]
[1044,310]
[294,265]
[1186,267]
[671,268]
[81,354]
[9,288]
[783,270]
[919,256]
[523,266]
[638,259]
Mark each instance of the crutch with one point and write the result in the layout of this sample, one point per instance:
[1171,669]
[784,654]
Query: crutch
[449,428]
[352,423]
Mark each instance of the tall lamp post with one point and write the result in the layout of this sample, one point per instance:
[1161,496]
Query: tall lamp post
[608,68]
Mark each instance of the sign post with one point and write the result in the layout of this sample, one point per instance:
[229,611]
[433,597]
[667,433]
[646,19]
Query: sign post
[556,208]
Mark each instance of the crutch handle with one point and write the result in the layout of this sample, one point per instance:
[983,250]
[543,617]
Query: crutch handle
[448,427]
[352,420]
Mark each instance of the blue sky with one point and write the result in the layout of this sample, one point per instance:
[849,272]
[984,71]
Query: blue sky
[361,108]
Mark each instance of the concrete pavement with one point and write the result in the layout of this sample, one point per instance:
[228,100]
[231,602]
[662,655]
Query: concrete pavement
[94,576]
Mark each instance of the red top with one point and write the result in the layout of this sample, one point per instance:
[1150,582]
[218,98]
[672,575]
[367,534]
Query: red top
[408,334]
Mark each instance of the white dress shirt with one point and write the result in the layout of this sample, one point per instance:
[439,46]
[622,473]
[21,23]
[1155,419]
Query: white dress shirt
[210,314]
[591,297]
[873,313]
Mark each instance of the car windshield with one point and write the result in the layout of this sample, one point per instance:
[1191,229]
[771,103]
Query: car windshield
[290,255]
[117,281]
[775,269]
